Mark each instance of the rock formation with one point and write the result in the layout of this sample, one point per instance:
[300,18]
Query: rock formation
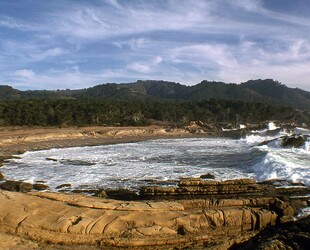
[292,235]
[212,214]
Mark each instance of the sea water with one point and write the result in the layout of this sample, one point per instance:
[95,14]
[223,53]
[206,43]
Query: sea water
[131,165]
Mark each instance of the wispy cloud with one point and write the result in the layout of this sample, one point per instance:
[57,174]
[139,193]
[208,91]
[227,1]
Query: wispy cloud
[81,43]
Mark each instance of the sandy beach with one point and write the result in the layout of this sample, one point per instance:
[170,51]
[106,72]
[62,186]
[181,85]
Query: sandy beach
[14,140]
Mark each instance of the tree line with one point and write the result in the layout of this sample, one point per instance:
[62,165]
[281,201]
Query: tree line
[86,112]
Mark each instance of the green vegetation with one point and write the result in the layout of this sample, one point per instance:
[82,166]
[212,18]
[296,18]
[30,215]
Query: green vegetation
[263,91]
[145,102]
[84,112]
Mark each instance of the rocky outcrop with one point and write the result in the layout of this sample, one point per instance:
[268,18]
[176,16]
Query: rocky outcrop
[292,235]
[207,176]
[20,186]
[294,141]
[17,186]
[206,213]
[197,187]
[76,219]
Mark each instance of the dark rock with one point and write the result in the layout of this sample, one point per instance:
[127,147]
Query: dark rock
[291,235]
[282,208]
[40,187]
[207,176]
[39,181]
[1,176]
[122,194]
[4,159]
[293,141]
[17,186]
[101,194]
[66,185]
[51,159]
[76,162]
[84,191]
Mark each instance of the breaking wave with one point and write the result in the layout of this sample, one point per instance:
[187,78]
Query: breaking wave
[259,155]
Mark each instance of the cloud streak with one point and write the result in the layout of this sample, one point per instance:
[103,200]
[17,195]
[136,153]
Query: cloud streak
[79,43]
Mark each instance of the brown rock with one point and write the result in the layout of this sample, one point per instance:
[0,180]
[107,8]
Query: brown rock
[101,194]
[121,194]
[17,186]
[76,219]
[207,176]
[40,186]
[63,186]
[197,187]
[1,176]
[282,208]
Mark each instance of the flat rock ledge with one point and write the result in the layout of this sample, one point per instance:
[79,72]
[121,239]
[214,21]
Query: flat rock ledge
[74,219]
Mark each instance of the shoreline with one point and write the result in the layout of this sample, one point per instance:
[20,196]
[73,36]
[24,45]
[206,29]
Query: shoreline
[196,213]
[16,141]
[19,140]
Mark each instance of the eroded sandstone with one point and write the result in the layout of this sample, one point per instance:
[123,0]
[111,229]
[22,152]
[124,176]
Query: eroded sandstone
[76,219]
[203,219]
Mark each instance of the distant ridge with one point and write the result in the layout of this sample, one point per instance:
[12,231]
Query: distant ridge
[266,91]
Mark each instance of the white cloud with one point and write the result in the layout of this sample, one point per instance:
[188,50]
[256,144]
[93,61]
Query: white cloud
[147,66]
[252,5]
[11,23]
[178,40]
[204,55]
[48,53]
[140,67]
[135,43]
[25,73]
[115,4]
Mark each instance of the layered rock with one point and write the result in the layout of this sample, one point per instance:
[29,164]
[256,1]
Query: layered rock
[197,187]
[210,214]
[75,219]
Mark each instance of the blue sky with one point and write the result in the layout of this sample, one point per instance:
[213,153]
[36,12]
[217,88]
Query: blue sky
[59,44]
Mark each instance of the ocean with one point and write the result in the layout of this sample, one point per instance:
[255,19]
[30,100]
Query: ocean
[257,155]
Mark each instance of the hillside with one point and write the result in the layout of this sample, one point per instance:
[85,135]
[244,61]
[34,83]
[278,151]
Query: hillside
[265,91]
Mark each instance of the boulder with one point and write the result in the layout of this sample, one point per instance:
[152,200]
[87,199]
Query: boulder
[293,141]
[1,176]
[40,187]
[66,185]
[283,208]
[207,176]
[101,194]
[121,194]
[16,186]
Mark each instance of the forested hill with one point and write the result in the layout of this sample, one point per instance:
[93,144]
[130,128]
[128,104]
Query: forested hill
[265,91]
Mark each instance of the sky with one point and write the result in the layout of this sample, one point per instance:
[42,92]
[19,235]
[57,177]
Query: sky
[73,44]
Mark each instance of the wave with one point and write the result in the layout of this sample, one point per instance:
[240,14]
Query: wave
[258,155]
[291,164]
[287,164]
